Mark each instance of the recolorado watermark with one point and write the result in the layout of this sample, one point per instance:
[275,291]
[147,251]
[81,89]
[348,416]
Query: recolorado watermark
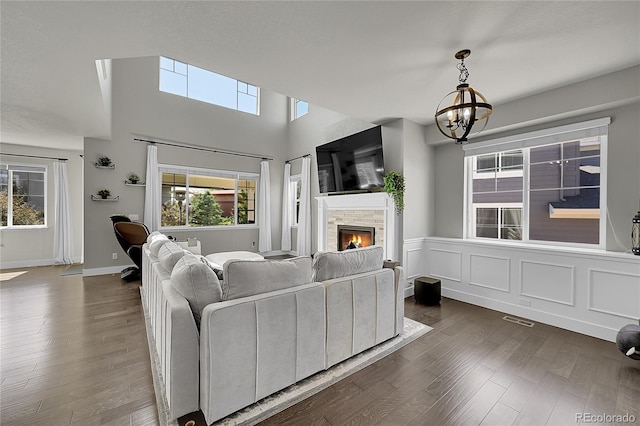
[605,418]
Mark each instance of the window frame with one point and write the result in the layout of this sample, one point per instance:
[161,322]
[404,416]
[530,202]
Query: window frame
[526,142]
[294,180]
[40,168]
[216,173]
[294,108]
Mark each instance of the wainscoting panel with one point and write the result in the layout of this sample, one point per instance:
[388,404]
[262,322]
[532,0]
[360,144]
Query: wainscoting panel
[413,262]
[592,292]
[614,293]
[446,264]
[490,272]
[546,281]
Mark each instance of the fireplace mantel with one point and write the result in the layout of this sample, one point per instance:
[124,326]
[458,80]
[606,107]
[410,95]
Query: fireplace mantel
[369,201]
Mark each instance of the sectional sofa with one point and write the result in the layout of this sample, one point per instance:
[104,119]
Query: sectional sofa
[224,344]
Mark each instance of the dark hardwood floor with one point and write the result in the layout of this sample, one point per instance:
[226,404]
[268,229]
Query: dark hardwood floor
[73,351]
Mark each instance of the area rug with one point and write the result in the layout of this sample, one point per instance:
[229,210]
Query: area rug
[295,393]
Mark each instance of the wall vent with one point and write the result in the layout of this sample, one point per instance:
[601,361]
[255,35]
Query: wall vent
[519,321]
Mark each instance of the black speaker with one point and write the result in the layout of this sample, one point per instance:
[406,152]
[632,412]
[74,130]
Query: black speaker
[427,290]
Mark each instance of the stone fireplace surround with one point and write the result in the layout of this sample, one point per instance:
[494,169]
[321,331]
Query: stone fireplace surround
[370,209]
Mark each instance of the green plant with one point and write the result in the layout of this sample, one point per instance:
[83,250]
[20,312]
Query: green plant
[133,178]
[394,186]
[104,193]
[104,161]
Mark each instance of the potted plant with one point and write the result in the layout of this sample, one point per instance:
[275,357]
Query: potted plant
[133,178]
[394,186]
[104,193]
[104,161]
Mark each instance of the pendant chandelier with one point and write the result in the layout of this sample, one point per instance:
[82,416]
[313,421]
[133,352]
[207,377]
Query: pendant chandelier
[462,109]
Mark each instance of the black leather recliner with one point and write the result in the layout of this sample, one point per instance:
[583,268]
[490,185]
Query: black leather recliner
[131,236]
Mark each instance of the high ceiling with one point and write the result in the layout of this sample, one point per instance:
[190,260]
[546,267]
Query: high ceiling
[371,60]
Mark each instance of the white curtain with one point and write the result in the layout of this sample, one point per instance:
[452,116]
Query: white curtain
[303,245]
[286,209]
[152,200]
[62,242]
[264,209]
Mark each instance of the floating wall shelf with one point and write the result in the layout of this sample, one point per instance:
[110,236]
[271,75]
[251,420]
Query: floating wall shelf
[98,198]
[110,166]
[134,184]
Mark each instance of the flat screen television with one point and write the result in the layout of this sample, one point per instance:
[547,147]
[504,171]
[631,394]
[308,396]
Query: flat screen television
[352,164]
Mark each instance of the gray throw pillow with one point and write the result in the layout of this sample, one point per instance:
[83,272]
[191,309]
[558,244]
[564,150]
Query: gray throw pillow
[169,254]
[197,283]
[244,278]
[338,264]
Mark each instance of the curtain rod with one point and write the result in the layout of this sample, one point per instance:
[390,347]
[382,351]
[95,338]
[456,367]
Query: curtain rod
[202,148]
[35,156]
[302,156]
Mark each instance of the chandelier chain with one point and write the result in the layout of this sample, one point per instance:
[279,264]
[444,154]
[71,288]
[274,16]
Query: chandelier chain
[464,72]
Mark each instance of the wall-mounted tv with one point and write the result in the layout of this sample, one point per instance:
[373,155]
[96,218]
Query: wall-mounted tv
[352,164]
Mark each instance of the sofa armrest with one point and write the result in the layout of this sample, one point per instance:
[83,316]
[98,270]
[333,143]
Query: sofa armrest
[253,346]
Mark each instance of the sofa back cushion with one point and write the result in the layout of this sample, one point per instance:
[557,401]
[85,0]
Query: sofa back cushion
[196,282]
[338,264]
[169,254]
[244,278]
[157,242]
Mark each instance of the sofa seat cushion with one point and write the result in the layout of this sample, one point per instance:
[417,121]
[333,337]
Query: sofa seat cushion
[338,264]
[196,282]
[169,254]
[244,278]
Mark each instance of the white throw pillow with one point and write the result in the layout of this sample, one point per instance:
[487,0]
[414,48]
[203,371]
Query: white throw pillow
[154,235]
[244,278]
[156,243]
[197,283]
[338,264]
[169,254]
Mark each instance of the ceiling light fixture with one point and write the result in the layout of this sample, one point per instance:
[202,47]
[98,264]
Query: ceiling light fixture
[459,110]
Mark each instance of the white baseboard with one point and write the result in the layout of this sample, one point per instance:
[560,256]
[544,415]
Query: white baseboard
[33,263]
[572,324]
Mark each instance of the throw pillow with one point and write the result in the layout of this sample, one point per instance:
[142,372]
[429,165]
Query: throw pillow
[338,264]
[169,254]
[244,278]
[197,283]
[156,243]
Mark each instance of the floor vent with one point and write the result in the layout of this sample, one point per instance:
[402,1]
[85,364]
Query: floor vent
[518,321]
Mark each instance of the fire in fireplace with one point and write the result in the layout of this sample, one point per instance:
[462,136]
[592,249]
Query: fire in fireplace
[350,237]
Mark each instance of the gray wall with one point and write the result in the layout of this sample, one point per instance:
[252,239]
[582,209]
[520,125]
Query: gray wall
[418,168]
[615,95]
[32,247]
[139,108]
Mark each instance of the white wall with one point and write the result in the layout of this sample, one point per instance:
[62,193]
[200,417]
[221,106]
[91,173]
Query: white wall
[140,108]
[34,247]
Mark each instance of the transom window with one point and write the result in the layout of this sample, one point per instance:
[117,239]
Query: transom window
[196,83]
[22,195]
[550,189]
[298,108]
[198,197]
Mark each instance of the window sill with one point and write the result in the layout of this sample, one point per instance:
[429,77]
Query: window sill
[23,228]
[207,228]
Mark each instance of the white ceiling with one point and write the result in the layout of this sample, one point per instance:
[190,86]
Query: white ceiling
[371,60]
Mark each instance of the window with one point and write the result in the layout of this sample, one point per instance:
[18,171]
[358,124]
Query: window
[295,186]
[22,195]
[196,83]
[199,197]
[541,187]
[298,108]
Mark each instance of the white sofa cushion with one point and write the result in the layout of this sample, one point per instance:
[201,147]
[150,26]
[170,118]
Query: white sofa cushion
[153,235]
[157,242]
[196,282]
[169,254]
[338,264]
[244,278]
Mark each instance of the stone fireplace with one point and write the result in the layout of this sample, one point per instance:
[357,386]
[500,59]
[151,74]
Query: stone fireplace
[373,211]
